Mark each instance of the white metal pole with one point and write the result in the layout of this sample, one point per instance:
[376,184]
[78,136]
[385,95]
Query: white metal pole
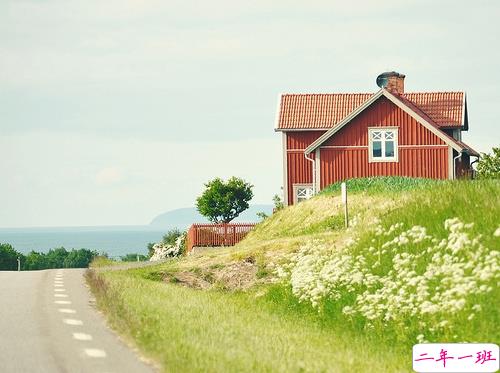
[343,188]
[18,264]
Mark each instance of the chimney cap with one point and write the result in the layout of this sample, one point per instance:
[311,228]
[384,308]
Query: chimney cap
[383,78]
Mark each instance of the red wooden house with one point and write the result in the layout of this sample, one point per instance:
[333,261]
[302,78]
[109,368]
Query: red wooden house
[337,136]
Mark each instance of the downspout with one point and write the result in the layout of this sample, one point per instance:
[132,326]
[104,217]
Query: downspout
[472,168]
[313,172]
[455,164]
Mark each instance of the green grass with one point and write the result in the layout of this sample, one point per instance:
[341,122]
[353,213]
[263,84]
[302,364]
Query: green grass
[387,184]
[102,261]
[188,330]
[265,328]
[429,206]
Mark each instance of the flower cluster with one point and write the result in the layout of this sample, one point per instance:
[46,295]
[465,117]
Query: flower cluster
[403,274]
[163,251]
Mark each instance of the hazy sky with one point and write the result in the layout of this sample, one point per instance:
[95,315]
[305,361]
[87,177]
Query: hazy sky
[114,111]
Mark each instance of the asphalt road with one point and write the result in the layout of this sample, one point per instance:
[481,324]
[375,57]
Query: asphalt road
[48,324]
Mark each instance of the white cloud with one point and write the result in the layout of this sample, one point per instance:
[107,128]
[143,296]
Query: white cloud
[118,84]
[108,175]
[62,179]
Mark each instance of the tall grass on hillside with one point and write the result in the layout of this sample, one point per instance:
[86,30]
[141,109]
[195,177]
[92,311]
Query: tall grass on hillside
[428,270]
[382,184]
[188,330]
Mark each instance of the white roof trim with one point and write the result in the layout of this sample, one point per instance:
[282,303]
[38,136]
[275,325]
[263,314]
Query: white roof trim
[343,122]
[422,121]
[278,112]
[371,100]
[301,129]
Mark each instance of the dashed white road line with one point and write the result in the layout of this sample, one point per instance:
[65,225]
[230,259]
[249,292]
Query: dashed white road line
[94,352]
[62,301]
[82,336]
[73,322]
[66,310]
[58,289]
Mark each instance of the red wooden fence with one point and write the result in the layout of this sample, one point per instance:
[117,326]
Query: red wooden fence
[217,234]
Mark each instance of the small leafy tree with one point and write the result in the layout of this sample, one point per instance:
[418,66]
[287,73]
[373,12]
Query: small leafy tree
[55,257]
[222,201]
[278,202]
[8,257]
[35,260]
[488,166]
[170,238]
[79,258]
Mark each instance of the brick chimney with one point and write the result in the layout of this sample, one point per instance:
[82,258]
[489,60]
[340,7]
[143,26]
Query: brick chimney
[395,82]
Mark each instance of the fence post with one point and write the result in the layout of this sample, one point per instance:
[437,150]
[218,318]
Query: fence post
[225,234]
[343,188]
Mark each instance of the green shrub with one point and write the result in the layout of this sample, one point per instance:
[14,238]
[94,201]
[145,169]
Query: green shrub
[171,236]
[79,258]
[59,258]
[488,166]
[35,260]
[8,257]
[133,258]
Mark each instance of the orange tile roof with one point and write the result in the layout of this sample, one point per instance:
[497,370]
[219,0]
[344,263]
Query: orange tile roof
[323,111]
[445,108]
[432,122]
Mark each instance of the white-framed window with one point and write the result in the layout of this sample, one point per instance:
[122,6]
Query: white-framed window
[383,144]
[302,192]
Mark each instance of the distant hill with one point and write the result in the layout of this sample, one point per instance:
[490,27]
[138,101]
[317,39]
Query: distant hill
[184,217]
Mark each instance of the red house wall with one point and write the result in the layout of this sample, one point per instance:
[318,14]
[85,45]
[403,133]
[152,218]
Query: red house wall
[299,169]
[345,155]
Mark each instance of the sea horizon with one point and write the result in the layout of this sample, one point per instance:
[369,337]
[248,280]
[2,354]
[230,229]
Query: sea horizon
[115,241]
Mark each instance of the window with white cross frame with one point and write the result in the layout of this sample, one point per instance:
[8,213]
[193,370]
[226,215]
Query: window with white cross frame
[302,192]
[383,144]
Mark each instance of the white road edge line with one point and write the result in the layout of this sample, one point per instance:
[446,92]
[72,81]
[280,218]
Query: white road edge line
[73,322]
[94,352]
[82,336]
[66,310]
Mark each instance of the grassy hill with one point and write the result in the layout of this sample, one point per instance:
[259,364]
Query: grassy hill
[302,293]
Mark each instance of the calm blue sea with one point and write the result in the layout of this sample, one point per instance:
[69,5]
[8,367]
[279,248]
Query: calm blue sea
[116,241]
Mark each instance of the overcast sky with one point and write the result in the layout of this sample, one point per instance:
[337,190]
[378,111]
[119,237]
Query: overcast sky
[112,112]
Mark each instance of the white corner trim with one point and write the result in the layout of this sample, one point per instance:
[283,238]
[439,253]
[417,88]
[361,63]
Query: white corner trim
[285,170]
[451,170]
[277,116]
[317,164]
[464,109]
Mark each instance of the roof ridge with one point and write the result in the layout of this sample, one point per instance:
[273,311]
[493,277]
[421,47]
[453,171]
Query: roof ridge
[327,93]
[366,93]
[431,92]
